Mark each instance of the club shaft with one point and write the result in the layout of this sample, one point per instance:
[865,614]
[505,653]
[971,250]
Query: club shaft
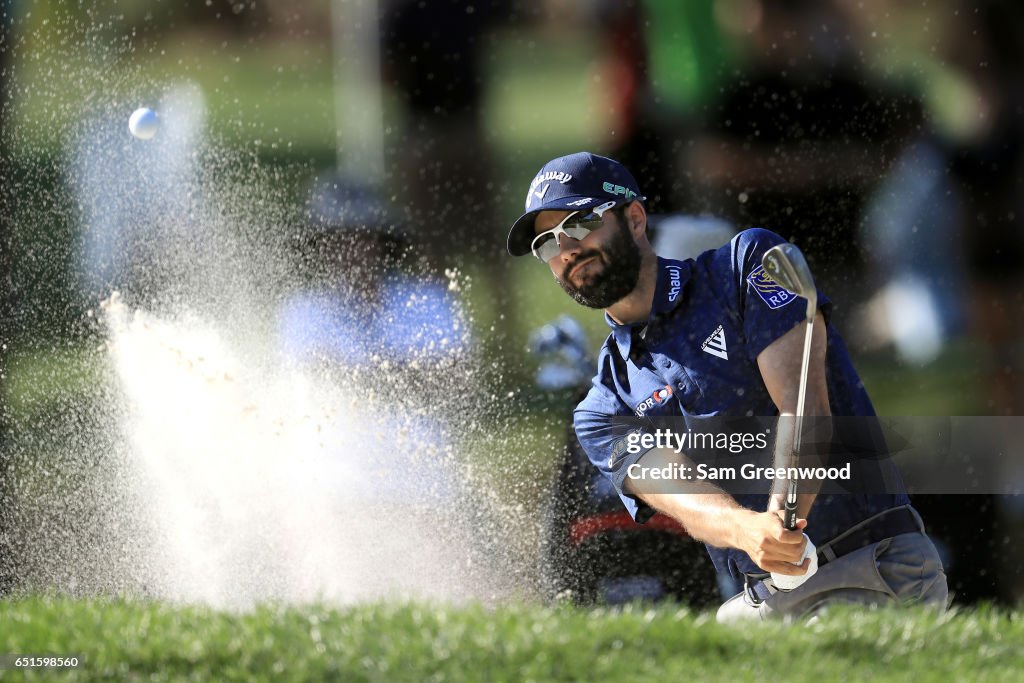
[801,397]
[789,518]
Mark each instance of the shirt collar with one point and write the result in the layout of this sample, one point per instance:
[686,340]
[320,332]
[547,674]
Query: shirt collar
[668,293]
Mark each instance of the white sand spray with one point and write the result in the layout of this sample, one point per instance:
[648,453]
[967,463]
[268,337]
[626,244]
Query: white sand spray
[280,484]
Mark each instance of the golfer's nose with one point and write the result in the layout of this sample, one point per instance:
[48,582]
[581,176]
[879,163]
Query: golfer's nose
[568,247]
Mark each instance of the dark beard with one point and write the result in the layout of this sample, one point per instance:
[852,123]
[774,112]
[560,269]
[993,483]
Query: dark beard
[621,259]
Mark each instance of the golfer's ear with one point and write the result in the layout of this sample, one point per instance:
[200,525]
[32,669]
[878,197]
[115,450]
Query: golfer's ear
[637,218]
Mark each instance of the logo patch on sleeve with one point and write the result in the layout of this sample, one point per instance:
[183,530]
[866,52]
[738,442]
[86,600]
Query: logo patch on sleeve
[618,450]
[770,291]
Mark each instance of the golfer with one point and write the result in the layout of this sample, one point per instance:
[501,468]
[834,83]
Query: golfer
[714,336]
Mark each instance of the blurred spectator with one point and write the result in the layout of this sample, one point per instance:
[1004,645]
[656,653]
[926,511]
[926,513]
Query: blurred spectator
[913,218]
[661,60]
[800,135]
[360,307]
[950,211]
[397,345]
[432,59]
[383,334]
[442,166]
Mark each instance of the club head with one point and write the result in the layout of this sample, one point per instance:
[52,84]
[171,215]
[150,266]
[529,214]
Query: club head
[785,264]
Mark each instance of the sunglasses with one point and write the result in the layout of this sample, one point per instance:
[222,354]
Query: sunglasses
[576,225]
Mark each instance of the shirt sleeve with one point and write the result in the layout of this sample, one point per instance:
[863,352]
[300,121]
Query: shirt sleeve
[768,310]
[606,442]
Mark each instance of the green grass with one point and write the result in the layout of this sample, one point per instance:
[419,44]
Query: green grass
[545,98]
[276,97]
[36,379]
[275,100]
[417,642]
[952,384]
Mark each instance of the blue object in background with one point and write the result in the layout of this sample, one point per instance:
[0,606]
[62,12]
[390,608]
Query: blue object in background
[411,320]
[911,229]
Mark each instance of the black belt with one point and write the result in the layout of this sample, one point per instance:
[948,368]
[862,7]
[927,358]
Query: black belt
[892,522]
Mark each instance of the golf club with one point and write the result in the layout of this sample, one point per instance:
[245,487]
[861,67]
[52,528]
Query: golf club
[786,265]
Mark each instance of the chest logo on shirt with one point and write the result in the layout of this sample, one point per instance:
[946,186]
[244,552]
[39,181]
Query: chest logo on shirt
[769,290]
[657,398]
[715,344]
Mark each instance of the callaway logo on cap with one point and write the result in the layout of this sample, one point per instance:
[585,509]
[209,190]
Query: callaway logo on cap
[571,183]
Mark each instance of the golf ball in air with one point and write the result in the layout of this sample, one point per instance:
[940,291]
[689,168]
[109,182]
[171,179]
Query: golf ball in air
[143,123]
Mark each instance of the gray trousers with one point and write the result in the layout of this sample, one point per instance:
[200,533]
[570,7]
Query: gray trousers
[902,570]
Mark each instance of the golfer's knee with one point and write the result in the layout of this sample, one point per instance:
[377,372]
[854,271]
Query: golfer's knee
[935,591]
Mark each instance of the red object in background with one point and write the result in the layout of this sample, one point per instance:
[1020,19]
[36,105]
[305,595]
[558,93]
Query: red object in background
[624,71]
[582,529]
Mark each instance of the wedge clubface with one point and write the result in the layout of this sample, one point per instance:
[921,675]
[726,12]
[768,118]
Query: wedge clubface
[786,265]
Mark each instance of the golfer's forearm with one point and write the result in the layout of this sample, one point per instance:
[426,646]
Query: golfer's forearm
[708,513]
[713,518]
[805,501]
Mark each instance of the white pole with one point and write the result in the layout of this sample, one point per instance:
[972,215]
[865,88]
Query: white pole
[358,105]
